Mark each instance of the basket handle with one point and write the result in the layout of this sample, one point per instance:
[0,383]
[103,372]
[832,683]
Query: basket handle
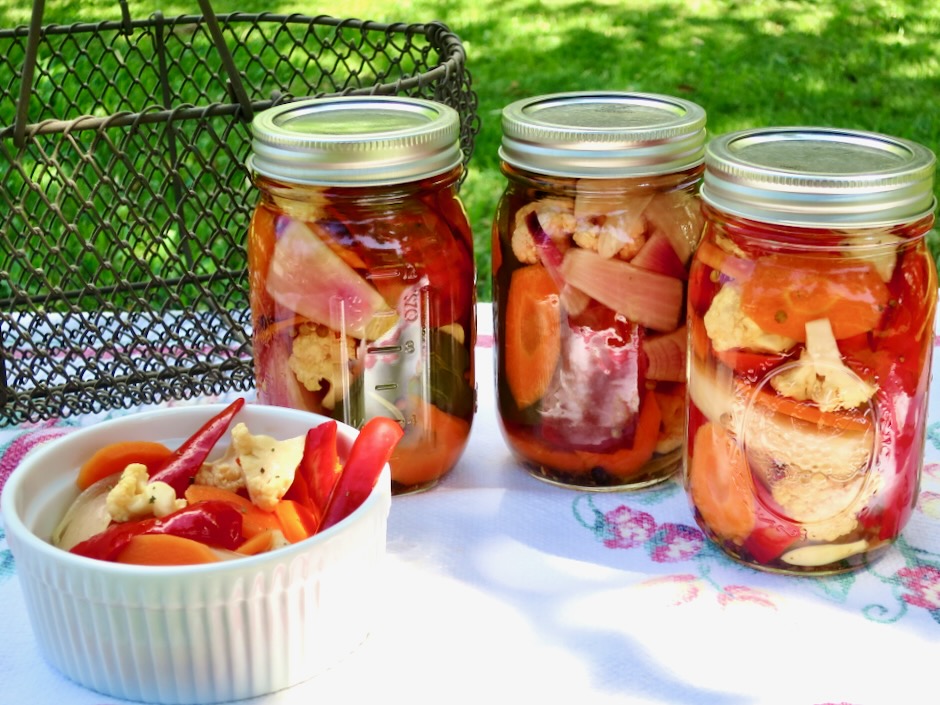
[236,85]
[29,69]
[235,80]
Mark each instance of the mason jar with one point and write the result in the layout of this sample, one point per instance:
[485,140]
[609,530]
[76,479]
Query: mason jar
[362,275]
[811,319]
[592,239]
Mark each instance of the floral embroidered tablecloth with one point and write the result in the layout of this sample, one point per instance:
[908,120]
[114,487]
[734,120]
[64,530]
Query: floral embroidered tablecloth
[501,587]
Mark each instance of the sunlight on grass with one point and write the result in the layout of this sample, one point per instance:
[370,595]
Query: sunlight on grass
[867,64]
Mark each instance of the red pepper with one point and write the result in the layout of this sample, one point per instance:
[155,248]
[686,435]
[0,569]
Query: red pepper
[900,453]
[180,468]
[318,470]
[368,455]
[772,535]
[213,523]
[750,365]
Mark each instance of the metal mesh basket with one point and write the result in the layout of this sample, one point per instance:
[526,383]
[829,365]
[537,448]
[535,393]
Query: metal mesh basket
[124,200]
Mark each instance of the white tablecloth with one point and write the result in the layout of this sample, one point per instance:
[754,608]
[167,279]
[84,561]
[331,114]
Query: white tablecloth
[500,587]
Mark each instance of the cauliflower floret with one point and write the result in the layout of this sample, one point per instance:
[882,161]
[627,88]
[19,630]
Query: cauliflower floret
[728,326]
[818,474]
[821,376]
[620,234]
[225,472]
[672,426]
[263,465]
[320,355]
[556,216]
[133,497]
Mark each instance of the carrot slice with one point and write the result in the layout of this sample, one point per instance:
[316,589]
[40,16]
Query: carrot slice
[720,484]
[785,292]
[165,549]
[259,543]
[297,521]
[850,419]
[254,519]
[533,333]
[114,457]
[430,447]
[206,493]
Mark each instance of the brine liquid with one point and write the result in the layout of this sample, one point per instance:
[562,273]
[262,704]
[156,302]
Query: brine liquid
[809,367]
[363,305]
[590,289]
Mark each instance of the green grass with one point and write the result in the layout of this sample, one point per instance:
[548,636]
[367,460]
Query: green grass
[867,64]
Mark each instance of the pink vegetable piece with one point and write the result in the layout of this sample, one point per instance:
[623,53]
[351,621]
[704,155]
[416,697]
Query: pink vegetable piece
[666,356]
[657,255]
[596,389]
[650,299]
[551,258]
[307,277]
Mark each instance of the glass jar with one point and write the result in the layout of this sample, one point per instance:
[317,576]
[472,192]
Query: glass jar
[362,274]
[811,315]
[591,244]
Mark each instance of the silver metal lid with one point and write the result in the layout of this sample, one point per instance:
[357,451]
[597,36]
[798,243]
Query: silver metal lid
[355,141]
[819,177]
[606,134]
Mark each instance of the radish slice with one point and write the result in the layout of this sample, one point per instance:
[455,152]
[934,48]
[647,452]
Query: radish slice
[650,299]
[657,255]
[666,356]
[307,277]
[551,258]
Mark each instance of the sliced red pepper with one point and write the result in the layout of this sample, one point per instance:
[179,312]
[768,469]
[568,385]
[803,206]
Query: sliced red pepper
[893,356]
[752,366]
[318,470]
[899,458]
[212,522]
[773,533]
[368,455]
[704,285]
[180,468]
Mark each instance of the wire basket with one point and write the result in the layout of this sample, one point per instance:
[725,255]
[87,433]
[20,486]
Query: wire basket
[125,201]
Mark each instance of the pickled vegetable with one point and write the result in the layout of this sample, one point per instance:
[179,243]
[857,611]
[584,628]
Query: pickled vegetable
[808,389]
[590,293]
[365,308]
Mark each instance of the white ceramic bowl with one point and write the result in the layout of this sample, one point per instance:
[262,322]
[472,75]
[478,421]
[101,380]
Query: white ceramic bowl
[191,634]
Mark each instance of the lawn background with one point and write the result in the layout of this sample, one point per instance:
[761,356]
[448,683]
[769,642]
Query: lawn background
[867,64]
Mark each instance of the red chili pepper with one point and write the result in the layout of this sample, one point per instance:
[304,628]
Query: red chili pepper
[368,455]
[213,523]
[318,470]
[180,468]
[771,536]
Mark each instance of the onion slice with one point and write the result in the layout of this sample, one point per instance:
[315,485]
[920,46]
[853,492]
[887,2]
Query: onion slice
[88,514]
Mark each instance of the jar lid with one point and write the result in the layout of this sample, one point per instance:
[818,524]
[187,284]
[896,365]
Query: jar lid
[355,140]
[606,134]
[819,177]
